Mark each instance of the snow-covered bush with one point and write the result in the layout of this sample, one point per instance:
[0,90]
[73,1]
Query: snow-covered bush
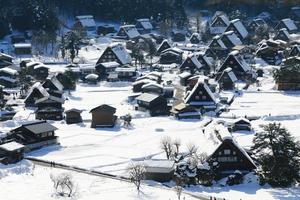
[235,178]
[64,184]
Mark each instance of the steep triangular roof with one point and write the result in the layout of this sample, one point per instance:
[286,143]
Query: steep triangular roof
[104,107]
[201,85]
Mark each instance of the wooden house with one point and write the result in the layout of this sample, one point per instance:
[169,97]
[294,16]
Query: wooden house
[137,85]
[128,32]
[91,78]
[153,88]
[195,38]
[37,91]
[269,51]
[232,157]
[241,124]
[52,83]
[191,64]
[201,96]
[206,62]
[73,116]
[105,29]
[34,135]
[40,72]
[227,80]
[115,53]
[163,46]
[238,28]
[49,108]
[9,73]
[219,23]
[126,73]
[22,49]
[155,104]
[170,56]
[283,35]
[144,26]
[103,116]
[159,170]
[241,69]
[5,60]
[184,76]
[288,24]
[184,111]
[85,22]
[217,46]
[230,39]
[178,35]
[255,24]
[8,82]
[103,69]
[17,38]
[295,51]
[11,152]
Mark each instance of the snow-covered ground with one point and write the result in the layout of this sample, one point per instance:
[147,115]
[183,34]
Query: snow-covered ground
[35,184]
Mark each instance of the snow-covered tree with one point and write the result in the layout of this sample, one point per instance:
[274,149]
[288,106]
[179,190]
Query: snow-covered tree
[278,153]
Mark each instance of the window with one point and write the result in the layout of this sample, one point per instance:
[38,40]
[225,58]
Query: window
[227,159]
[204,97]
[197,97]
[233,153]
[227,152]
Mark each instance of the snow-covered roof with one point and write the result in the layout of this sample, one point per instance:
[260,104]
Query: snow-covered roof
[195,60]
[121,53]
[147,97]
[184,74]
[125,69]
[162,43]
[110,64]
[5,55]
[51,98]
[233,38]
[40,66]
[55,81]
[22,45]
[230,74]
[158,165]
[9,71]
[290,24]
[209,92]
[130,30]
[240,60]
[8,79]
[219,41]
[39,87]
[33,63]
[152,84]
[91,77]
[11,146]
[240,27]
[86,20]
[146,24]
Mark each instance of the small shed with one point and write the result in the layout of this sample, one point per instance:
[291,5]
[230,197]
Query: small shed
[155,104]
[22,48]
[103,116]
[184,111]
[73,116]
[241,124]
[159,169]
[11,152]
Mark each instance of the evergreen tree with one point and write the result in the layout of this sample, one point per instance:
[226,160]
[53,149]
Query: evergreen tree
[278,153]
[72,44]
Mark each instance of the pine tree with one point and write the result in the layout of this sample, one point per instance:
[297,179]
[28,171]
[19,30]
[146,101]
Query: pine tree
[278,155]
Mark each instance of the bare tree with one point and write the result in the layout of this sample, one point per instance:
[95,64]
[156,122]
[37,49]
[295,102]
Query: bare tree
[177,144]
[136,174]
[167,146]
[192,149]
[63,184]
